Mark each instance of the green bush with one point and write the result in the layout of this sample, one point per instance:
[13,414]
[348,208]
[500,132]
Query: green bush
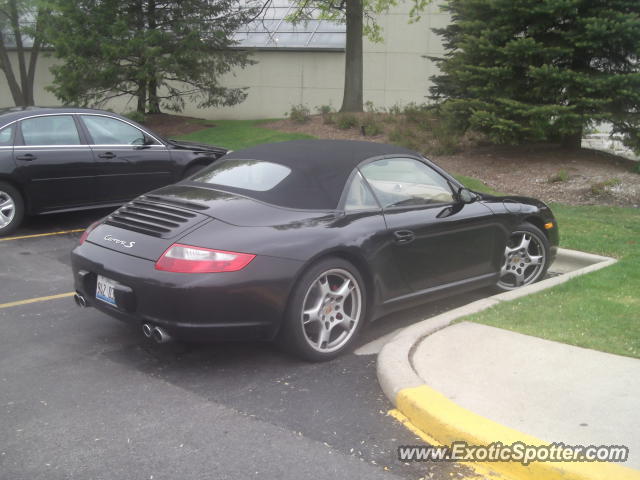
[326,111]
[345,121]
[405,137]
[561,176]
[395,109]
[371,126]
[299,113]
[421,115]
[136,116]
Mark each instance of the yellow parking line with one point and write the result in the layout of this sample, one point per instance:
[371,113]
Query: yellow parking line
[42,234]
[34,300]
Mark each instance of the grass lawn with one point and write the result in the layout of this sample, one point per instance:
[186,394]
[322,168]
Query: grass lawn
[600,310]
[237,134]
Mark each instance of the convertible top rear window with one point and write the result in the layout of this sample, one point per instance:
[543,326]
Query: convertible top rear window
[254,175]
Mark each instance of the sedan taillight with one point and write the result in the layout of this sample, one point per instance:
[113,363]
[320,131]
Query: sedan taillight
[189,259]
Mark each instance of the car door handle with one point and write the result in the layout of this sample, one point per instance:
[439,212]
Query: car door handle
[404,236]
[27,157]
[107,155]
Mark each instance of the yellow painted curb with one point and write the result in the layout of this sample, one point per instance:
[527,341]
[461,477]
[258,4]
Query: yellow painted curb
[446,422]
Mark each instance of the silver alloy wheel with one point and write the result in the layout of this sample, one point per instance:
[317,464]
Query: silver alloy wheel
[331,310]
[524,260]
[7,209]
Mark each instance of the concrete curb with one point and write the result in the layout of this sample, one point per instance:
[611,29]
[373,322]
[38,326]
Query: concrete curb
[443,420]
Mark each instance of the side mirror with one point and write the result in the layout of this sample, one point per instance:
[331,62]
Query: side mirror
[466,196]
[143,142]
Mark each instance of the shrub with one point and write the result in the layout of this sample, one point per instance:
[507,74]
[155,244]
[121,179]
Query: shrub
[395,109]
[421,115]
[405,137]
[326,111]
[370,126]
[299,113]
[561,176]
[345,121]
[601,188]
[136,116]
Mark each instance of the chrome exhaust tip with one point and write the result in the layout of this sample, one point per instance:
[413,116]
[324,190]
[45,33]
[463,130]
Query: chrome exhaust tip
[80,300]
[160,335]
[147,330]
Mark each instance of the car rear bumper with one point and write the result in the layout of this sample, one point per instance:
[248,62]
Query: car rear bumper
[243,305]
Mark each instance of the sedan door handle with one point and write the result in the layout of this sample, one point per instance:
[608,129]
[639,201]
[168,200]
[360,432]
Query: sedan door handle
[27,157]
[107,155]
[404,236]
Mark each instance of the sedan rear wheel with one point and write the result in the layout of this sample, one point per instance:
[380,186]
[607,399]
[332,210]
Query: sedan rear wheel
[526,258]
[11,208]
[326,312]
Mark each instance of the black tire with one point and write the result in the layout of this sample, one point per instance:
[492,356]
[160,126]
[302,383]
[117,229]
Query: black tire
[523,266]
[192,170]
[296,338]
[14,212]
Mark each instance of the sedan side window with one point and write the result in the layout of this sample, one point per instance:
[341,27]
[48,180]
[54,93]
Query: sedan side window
[406,181]
[359,196]
[50,130]
[110,131]
[6,136]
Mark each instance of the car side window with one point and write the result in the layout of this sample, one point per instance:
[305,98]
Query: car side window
[111,131]
[359,196]
[406,181]
[6,136]
[50,130]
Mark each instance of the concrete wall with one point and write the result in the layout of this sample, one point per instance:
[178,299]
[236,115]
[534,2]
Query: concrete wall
[395,72]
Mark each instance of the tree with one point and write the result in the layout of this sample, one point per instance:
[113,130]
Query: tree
[360,19]
[18,19]
[532,70]
[160,52]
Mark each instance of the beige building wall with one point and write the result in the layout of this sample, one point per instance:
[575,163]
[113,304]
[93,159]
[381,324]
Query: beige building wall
[395,72]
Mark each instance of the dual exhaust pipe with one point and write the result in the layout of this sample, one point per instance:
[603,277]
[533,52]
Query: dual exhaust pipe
[158,334]
[80,300]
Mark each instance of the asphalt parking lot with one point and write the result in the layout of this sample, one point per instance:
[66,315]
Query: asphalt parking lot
[85,396]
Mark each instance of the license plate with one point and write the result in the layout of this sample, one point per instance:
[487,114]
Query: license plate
[105,290]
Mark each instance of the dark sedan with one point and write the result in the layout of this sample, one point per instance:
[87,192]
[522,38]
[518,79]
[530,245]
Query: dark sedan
[303,242]
[59,159]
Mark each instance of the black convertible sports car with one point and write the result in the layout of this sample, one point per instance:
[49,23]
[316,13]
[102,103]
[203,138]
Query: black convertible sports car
[57,159]
[304,242]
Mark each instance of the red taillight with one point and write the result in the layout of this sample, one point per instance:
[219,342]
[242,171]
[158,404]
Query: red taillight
[88,230]
[188,259]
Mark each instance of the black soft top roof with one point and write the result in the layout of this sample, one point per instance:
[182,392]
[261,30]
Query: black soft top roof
[319,169]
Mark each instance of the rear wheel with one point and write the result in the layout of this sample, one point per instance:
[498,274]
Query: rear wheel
[11,208]
[326,311]
[526,258]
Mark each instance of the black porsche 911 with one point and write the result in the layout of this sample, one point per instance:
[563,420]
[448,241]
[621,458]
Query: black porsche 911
[59,159]
[303,242]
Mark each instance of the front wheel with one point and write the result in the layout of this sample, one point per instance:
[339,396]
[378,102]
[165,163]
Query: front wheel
[526,258]
[326,311]
[11,208]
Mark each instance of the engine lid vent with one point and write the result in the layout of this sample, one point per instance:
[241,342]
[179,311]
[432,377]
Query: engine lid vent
[149,217]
